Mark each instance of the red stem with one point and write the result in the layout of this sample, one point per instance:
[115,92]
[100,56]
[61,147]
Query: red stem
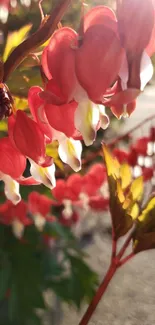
[126,259]
[111,271]
[116,262]
[126,244]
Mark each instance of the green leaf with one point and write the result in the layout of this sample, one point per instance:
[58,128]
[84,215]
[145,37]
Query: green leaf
[55,229]
[14,39]
[79,286]
[27,281]
[24,80]
[5,277]
[34,320]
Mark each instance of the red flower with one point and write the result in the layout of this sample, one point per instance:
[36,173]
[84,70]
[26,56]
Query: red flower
[29,139]
[121,155]
[50,110]
[39,203]
[141,146]
[9,212]
[16,216]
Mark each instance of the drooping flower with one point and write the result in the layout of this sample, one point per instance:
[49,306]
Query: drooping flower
[39,206]
[12,166]
[136,27]
[57,122]
[16,216]
[29,140]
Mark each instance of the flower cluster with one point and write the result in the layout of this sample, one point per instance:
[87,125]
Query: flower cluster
[78,194]
[69,199]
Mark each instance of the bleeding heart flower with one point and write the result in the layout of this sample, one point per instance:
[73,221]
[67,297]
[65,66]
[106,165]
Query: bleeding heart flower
[52,117]
[99,58]
[12,166]
[137,65]
[29,139]
[16,216]
[39,207]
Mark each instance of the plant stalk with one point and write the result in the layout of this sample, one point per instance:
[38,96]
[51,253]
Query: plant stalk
[101,290]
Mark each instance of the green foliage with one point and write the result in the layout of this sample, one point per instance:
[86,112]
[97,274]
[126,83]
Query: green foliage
[28,267]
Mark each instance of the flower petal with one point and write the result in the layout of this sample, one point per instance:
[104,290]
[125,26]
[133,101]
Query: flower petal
[36,105]
[39,203]
[137,13]
[11,189]
[146,70]
[12,162]
[61,117]
[86,120]
[100,15]
[59,192]
[17,228]
[70,152]
[27,181]
[59,57]
[104,119]
[29,139]
[45,175]
[150,49]
[98,61]
[123,97]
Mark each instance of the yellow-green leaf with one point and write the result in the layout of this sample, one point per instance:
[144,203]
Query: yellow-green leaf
[137,188]
[144,236]
[125,175]
[20,103]
[121,219]
[145,212]
[112,163]
[52,149]
[3,126]
[119,192]
[134,211]
[14,39]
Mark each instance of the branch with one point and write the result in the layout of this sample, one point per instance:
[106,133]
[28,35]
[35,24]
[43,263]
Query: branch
[99,294]
[36,39]
[124,135]
[126,259]
[126,244]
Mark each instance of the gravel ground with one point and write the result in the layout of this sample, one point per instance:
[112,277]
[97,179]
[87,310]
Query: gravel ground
[130,297]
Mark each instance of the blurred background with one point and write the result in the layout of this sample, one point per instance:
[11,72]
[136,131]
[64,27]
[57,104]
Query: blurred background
[130,298]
